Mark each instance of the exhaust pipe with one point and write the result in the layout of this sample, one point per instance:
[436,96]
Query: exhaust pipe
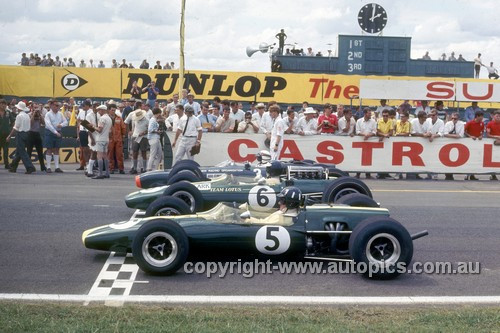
[419,235]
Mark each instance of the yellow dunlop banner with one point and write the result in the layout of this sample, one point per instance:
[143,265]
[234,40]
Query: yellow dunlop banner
[26,81]
[87,82]
[240,86]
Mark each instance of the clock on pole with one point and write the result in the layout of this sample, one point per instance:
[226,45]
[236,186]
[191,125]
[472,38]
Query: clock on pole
[372,18]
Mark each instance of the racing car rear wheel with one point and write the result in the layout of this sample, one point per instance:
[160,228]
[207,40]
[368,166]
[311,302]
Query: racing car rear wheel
[187,175]
[160,247]
[187,162]
[343,186]
[357,200]
[166,206]
[383,244]
[186,167]
[188,193]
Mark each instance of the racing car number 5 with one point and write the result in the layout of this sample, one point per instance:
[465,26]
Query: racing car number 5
[261,198]
[272,240]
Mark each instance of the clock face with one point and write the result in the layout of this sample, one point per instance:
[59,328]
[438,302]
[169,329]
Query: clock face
[372,18]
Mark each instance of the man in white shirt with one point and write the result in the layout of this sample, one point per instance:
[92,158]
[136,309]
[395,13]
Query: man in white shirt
[492,71]
[347,124]
[417,124]
[173,120]
[190,131]
[170,110]
[237,114]
[102,140]
[308,124]
[257,116]
[248,125]
[366,127]
[54,122]
[276,143]
[21,128]
[453,129]
[224,123]
[92,118]
[195,105]
[267,122]
[383,106]
[290,122]
[424,106]
[82,134]
[433,127]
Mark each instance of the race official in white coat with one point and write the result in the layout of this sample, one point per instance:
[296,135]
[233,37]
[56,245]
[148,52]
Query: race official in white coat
[190,131]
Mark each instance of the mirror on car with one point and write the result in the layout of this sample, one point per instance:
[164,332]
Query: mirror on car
[246,215]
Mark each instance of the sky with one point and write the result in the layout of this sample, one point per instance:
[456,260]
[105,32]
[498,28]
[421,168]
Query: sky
[218,31]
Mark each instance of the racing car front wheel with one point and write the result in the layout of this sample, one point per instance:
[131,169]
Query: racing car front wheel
[160,247]
[343,186]
[357,200]
[188,193]
[383,245]
[166,206]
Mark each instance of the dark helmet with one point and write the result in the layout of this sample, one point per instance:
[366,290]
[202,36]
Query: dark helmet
[275,169]
[291,196]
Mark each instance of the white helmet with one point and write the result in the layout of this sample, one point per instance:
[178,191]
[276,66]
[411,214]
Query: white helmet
[264,156]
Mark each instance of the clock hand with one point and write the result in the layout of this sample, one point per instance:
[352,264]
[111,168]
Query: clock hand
[373,13]
[378,15]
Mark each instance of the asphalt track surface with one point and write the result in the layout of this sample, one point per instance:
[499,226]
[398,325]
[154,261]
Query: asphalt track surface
[43,216]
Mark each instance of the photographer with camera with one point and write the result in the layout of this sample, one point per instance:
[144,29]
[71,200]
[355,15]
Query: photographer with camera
[327,122]
[34,137]
[153,92]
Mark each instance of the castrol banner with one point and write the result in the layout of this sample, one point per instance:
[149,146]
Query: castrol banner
[396,154]
[438,89]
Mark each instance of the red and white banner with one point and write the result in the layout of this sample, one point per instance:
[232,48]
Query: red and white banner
[444,90]
[396,154]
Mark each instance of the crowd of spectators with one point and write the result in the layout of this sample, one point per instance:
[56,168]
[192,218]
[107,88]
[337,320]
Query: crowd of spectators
[47,61]
[226,116]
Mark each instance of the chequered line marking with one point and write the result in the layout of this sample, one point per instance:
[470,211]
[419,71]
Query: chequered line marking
[117,275]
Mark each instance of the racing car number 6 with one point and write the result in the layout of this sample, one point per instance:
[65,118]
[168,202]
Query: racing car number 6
[272,240]
[261,198]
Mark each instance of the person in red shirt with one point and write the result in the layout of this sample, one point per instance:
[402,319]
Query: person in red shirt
[493,131]
[327,122]
[474,129]
[493,128]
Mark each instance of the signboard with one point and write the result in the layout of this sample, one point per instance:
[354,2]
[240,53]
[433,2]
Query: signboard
[397,154]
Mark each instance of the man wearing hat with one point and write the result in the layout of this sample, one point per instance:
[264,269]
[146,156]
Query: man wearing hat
[7,120]
[308,124]
[139,140]
[190,129]
[102,139]
[257,116]
[191,102]
[21,128]
[54,122]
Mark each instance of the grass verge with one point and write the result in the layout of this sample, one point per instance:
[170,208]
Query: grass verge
[47,317]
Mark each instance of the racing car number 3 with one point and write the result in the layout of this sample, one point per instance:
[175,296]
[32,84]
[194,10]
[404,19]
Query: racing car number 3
[272,240]
[261,198]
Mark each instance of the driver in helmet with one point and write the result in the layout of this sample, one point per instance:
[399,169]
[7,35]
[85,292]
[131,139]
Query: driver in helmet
[289,200]
[263,157]
[275,169]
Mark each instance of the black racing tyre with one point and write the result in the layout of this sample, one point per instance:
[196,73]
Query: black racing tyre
[167,206]
[357,200]
[160,247]
[186,167]
[382,243]
[187,162]
[188,193]
[186,175]
[343,186]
